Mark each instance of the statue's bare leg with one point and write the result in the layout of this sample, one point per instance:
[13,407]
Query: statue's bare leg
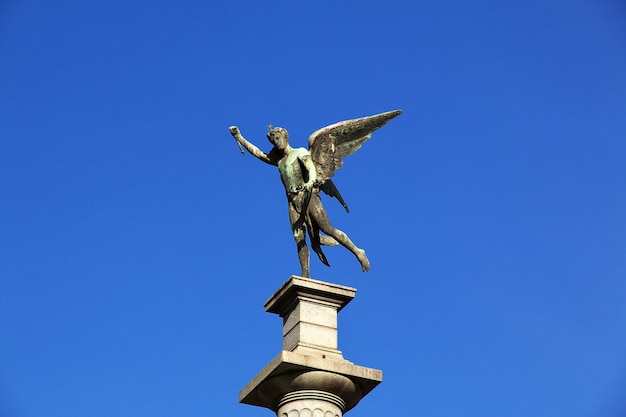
[316,210]
[300,238]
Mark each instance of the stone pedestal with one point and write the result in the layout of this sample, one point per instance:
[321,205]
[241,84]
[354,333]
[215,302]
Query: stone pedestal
[310,377]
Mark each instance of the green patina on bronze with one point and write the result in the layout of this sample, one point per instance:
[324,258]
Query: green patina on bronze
[305,172]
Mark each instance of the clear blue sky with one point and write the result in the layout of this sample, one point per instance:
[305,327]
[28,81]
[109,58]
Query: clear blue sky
[138,245]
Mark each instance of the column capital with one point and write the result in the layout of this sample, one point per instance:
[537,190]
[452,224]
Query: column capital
[293,372]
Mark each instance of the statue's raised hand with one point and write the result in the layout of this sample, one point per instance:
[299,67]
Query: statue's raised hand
[234,130]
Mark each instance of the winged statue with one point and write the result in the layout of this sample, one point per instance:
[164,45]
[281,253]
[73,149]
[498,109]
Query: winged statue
[306,172]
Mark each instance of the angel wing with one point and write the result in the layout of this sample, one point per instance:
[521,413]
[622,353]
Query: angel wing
[329,145]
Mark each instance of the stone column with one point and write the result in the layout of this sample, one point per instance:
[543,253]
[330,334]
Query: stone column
[310,377]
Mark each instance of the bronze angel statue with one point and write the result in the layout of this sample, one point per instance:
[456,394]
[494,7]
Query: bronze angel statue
[305,172]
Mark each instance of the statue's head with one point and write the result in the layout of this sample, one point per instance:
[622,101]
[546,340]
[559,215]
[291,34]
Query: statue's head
[278,137]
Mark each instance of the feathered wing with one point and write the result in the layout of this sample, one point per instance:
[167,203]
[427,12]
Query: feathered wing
[329,145]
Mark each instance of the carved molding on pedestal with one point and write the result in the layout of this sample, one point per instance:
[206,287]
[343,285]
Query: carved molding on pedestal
[310,404]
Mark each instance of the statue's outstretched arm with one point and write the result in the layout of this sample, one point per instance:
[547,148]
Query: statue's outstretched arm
[254,151]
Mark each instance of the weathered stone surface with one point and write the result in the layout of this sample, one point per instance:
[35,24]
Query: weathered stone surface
[309,310]
[310,377]
[295,371]
[324,292]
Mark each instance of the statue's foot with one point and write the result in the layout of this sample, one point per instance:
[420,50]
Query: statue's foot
[365,263]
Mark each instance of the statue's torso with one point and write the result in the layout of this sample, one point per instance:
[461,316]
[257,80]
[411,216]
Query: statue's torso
[291,169]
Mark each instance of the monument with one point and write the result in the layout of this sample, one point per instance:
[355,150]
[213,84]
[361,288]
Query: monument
[310,377]
[305,172]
